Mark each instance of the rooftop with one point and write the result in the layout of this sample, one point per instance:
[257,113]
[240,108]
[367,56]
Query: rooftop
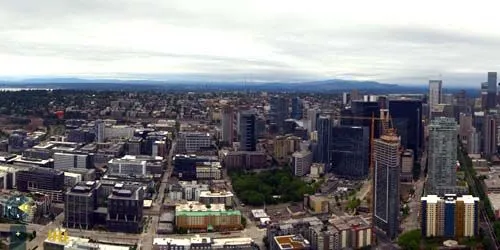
[291,242]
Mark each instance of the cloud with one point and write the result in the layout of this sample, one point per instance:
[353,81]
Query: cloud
[261,40]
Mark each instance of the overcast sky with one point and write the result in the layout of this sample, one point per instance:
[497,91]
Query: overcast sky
[407,42]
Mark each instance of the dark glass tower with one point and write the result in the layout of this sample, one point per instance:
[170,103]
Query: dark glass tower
[407,119]
[297,108]
[278,112]
[350,147]
[324,128]
[248,131]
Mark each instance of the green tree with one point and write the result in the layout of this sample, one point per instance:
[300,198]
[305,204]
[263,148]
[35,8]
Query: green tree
[410,240]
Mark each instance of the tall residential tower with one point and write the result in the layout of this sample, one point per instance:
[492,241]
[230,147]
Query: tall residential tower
[386,185]
[442,156]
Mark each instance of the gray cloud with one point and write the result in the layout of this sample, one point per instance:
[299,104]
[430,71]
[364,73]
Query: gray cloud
[288,45]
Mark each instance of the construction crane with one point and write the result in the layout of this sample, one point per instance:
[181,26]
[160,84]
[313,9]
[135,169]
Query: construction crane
[385,122]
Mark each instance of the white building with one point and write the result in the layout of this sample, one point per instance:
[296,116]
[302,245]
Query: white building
[127,166]
[187,190]
[435,93]
[71,179]
[119,131]
[301,162]
[65,161]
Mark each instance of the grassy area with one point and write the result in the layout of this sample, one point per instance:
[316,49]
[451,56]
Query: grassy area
[270,187]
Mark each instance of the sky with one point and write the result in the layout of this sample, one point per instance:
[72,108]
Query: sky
[402,42]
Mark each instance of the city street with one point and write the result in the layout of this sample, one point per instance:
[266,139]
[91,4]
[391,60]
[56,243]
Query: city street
[412,221]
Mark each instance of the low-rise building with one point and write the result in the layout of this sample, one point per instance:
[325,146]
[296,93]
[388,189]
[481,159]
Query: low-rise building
[221,197]
[204,242]
[290,242]
[195,216]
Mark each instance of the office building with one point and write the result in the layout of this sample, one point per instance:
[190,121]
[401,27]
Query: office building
[245,160]
[350,153]
[297,108]
[278,112]
[355,232]
[185,165]
[450,216]
[127,166]
[66,160]
[492,90]
[435,94]
[44,180]
[406,117]
[285,146]
[247,131]
[227,125]
[386,185]
[442,156]
[301,163]
[192,142]
[125,209]
[312,115]
[324,128]
[80,204]
[490,139]
[99,131]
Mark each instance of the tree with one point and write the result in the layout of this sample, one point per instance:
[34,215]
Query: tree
[410,240]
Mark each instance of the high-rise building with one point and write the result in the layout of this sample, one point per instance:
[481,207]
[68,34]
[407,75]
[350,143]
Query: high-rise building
[278,112]
[324,128]
[406,116]
[386,185]
[435,94]
[247,131]
[450,216]
[100,127]
[312,115]
[301,163]
[484,95]
[350,151]
[492,90]
[442,156]
[297,108]
[490,135]
[227,125]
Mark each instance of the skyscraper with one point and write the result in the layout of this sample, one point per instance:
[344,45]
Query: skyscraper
[350,151]
[386,185]
[297,108]
[490,135]
[278,112]
[442,156]
[406,115]
[227,124]
[492,90]
[324,128]
[247,131]
[312,115]
[435,94]
[99,130]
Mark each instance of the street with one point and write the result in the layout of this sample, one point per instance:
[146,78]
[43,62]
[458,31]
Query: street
[412,221]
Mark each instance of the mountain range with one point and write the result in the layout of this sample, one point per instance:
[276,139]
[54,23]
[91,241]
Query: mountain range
[332,85]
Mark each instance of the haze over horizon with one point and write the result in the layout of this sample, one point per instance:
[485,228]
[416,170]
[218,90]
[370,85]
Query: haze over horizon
[386,41]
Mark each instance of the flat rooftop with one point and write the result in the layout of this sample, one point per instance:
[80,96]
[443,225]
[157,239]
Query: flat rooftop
[291,242]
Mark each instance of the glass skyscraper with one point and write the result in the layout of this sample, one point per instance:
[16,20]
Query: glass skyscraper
[350,151]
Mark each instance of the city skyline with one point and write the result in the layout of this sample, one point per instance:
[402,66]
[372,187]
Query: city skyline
[250,41]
